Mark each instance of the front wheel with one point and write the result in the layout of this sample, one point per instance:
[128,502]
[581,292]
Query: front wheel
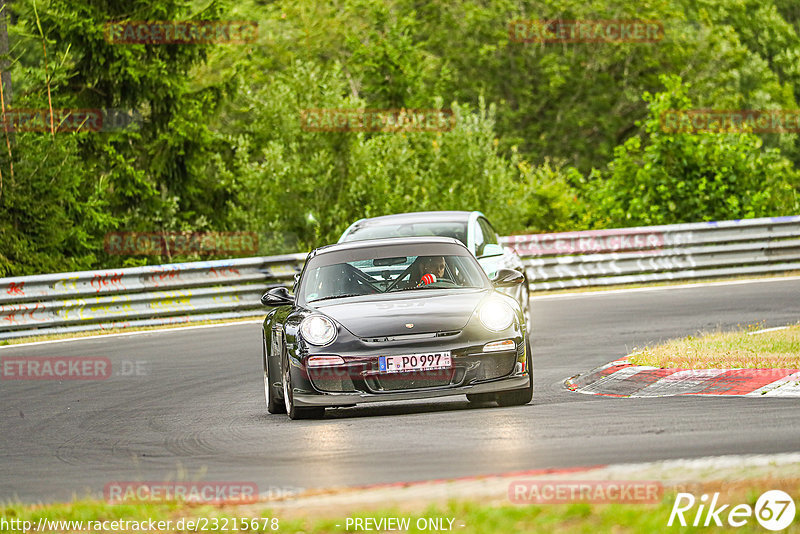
[518,397]
[315,412]
[274,404]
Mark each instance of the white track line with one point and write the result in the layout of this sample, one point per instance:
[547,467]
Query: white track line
[765,330]
[121,334]
[663,288]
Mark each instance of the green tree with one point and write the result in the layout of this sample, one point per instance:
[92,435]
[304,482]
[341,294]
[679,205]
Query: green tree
[158,177]
[671,178]
[305,188]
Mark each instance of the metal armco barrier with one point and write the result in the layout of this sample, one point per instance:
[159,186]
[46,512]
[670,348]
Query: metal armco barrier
[224,289]
[141,296]
[658,253]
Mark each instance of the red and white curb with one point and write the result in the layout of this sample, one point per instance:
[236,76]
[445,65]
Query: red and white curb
[622,379]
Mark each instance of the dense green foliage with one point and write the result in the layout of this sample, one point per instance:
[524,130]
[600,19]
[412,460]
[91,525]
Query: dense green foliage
[704,177]
[547,136]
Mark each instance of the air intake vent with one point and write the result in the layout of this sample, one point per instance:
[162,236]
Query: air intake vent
[410,337]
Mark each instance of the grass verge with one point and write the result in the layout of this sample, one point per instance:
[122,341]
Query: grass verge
[467,516]
[745,348]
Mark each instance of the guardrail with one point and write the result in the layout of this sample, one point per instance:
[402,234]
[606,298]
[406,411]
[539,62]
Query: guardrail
[658,253]
[224,289]
[140,296]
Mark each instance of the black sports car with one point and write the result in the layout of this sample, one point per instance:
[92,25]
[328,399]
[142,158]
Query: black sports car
[394,319]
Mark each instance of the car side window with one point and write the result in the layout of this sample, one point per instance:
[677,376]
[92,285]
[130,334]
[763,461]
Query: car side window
[480,240]
[489,235]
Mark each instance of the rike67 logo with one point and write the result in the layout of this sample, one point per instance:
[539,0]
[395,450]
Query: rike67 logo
[774,510]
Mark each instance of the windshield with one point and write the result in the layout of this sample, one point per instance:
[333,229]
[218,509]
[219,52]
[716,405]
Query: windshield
[386,273]
[456,230]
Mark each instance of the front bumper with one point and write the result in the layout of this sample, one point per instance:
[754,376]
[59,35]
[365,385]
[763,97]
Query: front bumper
[302,398]
[359,379]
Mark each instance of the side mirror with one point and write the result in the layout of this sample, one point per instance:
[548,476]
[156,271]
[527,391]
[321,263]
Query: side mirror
[492,250]
[507,278]
[278,296]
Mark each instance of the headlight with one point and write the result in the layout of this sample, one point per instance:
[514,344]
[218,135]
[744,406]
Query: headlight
[496,315]
[318,330]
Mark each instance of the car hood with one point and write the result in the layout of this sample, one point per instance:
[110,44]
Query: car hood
[428,310]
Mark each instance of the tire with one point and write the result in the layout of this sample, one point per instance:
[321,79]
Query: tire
[518,397]
[315,412]
[274,404]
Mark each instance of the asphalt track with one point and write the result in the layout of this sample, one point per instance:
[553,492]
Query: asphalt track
[198,413]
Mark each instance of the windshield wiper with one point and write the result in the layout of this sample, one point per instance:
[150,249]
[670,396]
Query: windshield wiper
[336,297]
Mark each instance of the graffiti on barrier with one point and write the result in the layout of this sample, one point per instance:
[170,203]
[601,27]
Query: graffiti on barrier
[66,285]
[223,272]
[162,276]
[14,314]
[565,269]
[16,289]
[225,299]
[102,281]
[173,300]
[81,309]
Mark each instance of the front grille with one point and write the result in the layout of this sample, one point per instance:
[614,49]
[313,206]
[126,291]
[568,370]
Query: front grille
[410,337]
[331,380]
[496,365]
[415,380]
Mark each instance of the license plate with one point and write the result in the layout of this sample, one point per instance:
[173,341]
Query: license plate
[414,362]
